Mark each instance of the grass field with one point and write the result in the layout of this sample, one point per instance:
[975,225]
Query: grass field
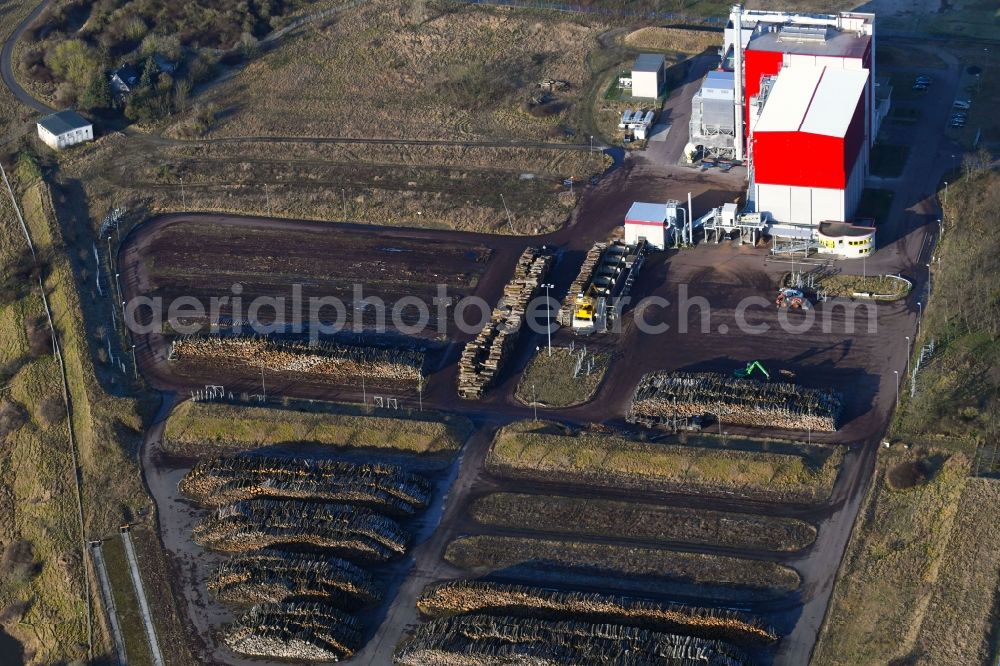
[485,554]
[845,286]
[673,40]
[379,69]
[892,567]
[527,451]
[42,597]
[918,583]
[201,428]
[958,627]
[409,185]
[39,464]
[641,522]
[548,380]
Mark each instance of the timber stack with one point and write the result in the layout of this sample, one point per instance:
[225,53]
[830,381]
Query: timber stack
[343,363]
[273,575]
[295,631]
[662,396]
[487,639]
[581,283]
[483,358]
[385,488]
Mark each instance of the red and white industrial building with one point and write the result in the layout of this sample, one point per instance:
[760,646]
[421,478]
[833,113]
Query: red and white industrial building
[805,99]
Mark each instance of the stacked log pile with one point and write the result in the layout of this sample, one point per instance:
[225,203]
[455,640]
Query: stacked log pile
[225,480]
[475,596]
[261,523]
[295,631]
[580,284]
[273,575]
[483,358]
[661,396]
[346,364]
[480,639]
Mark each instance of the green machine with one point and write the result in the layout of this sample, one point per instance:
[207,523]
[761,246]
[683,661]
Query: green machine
[745,373]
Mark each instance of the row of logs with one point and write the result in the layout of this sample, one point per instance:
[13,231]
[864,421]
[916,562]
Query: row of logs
[296,631]
[477,596]
[339,362]
[661,396]
[486,639]
[275,575]
[262,523]
[224,480]
[482,358]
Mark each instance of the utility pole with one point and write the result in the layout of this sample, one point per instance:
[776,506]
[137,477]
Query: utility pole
[420,391]
[510,222]
[548,316]
[364,392]
[183,195]
[135,366]
[920,314]
[267,198]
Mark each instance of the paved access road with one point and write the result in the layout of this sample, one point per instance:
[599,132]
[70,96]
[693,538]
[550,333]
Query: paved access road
[6,62]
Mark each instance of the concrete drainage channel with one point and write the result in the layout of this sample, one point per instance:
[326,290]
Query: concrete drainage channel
[140,593]
[109,601]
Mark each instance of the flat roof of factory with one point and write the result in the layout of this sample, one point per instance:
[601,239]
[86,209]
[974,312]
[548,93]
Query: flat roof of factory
[816,100]
[819,41]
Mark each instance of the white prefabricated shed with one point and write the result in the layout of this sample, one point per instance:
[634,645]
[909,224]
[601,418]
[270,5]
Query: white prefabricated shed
[646,220]
[648,75]
[63,129]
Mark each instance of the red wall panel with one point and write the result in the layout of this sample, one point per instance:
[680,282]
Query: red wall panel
[797,158]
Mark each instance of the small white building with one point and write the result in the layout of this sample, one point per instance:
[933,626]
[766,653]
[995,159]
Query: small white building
[648,76]
[646,220]
[64,129]
[845,239]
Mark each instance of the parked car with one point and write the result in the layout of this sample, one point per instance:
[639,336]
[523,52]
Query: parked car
[964,106]
[919,86]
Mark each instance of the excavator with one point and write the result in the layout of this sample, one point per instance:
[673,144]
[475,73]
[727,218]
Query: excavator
[744,373]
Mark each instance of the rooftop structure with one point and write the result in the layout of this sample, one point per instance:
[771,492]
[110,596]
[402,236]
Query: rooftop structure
[648,62]
[713,119]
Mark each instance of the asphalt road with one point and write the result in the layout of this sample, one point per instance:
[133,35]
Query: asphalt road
[6,62]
